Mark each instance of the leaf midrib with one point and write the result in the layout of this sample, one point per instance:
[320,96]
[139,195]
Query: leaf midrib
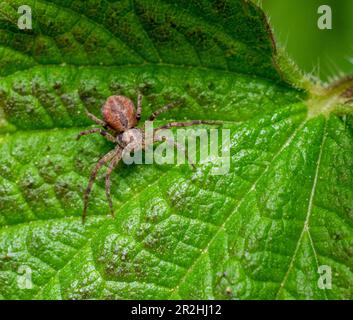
[253,186]
[307,218]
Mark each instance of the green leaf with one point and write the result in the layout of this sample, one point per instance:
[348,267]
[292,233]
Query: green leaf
[260,231]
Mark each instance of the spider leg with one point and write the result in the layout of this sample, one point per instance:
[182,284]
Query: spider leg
[167,107]
[95,119]
[102,132]
[189,124]
[93,176]
[139,106]
[176,145]
[112,165]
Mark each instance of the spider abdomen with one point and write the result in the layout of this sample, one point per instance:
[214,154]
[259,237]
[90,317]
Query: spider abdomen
[119,113]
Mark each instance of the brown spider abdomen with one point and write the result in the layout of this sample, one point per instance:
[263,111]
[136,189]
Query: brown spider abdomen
[119,113]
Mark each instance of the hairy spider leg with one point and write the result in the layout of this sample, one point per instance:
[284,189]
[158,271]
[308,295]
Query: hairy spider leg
[102,132]
[188,124]
[184,124]
[167,107]
[93,176]
[95,119]
[115,161]
[176,145]
[139,107]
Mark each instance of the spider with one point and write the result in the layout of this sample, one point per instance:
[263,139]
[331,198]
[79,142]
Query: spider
[119,126]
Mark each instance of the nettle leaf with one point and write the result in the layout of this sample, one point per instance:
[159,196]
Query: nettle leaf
[260,231]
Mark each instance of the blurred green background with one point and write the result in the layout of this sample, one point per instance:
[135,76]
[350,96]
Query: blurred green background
[325,53]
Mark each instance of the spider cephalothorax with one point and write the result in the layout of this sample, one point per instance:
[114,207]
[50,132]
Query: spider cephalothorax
[119,127]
